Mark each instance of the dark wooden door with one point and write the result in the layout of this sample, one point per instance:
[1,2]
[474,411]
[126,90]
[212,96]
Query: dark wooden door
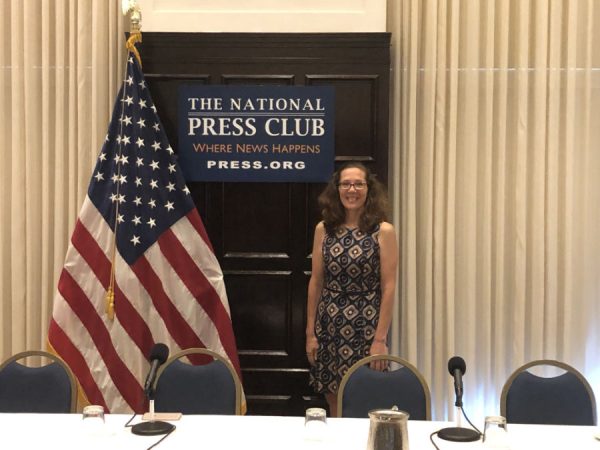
[262,232]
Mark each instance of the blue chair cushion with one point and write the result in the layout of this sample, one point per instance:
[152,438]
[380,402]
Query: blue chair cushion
[206,389]
[45,389]
[561,400]
[368,389]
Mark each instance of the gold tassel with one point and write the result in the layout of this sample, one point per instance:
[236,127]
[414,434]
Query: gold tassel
[134,38]
[110,303]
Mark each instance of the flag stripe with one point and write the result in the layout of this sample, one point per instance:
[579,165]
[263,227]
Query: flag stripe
[88,248]
[82,274]
[178,328]
[91,252]
[133,323]
[76,362]
[200,288]
[79,303]
[194,217]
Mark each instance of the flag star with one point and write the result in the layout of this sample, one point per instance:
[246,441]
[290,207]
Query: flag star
[170,150]
[169,206]
[99,176]
[124,159]
[139,162]
[153,108]
[117,158]
[138,201]
[129,80]
[142,103]
[120,218]
[115,178]
[154,184]
[135,240]
[171,187]
[156,146]
[106,138]
[128,100]
[171,168]
[152,223]
[118,139]
[154,165]
[156,127]
[152,203]
[136,220]
[113,197]
[138,181]
[141,123]
[122,179]
[186,190]
[140,142]
[130,60]
[142,84]
[126,120]
[121,198]
[102,156]
[125,140]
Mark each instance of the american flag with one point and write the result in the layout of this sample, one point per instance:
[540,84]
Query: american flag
[139,216]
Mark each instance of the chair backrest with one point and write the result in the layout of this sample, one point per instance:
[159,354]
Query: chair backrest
[565,399]
[212,388]
[363,389]
[46,389]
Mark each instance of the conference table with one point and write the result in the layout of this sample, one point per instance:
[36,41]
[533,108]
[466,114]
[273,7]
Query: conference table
[69,431]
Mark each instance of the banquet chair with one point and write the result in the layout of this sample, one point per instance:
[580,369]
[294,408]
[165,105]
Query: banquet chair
[212,388]
[566,399]
[363,389]
[50,388]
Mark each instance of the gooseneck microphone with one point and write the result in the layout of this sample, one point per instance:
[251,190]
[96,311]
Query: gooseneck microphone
[158,356]
[457,368]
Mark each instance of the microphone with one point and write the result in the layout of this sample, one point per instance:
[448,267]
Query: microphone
[457,368]
[158,356]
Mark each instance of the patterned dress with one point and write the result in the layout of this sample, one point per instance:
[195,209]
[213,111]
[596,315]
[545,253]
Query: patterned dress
[348,310]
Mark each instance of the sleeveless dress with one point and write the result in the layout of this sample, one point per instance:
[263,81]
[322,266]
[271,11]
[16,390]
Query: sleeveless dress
[348,309]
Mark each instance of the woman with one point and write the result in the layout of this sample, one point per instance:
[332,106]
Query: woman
[352,286]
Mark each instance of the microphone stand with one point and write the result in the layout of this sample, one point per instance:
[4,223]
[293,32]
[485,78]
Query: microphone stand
[152,427]
[458,433]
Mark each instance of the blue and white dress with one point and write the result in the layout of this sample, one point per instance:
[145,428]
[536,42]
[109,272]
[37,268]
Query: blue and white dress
[348,310]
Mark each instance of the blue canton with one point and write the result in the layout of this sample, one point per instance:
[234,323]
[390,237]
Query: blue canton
[137,184]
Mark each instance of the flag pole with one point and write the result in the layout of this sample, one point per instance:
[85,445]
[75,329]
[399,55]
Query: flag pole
[131,8]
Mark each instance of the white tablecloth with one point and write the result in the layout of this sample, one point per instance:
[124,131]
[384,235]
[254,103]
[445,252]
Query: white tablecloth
[69,431]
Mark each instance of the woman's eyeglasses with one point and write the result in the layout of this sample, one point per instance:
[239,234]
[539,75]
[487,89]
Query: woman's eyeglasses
[346,185]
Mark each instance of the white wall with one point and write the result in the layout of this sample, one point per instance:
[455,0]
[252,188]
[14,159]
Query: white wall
[309,16]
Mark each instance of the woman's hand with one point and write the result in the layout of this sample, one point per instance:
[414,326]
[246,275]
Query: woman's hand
[312,345]
[378,348]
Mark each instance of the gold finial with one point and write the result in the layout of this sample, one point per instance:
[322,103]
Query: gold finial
[135,14]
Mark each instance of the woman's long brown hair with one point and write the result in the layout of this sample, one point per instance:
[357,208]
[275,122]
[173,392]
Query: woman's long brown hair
[376,204]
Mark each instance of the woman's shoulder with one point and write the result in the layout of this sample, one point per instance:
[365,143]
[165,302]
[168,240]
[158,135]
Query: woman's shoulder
[385,229]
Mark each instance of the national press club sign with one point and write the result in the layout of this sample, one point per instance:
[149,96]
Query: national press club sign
[256,133]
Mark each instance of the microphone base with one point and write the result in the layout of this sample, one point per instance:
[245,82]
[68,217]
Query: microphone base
[458,434]
[153,428]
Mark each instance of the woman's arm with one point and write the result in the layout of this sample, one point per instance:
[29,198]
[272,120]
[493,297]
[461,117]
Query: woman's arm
[315,285]
[388,253]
